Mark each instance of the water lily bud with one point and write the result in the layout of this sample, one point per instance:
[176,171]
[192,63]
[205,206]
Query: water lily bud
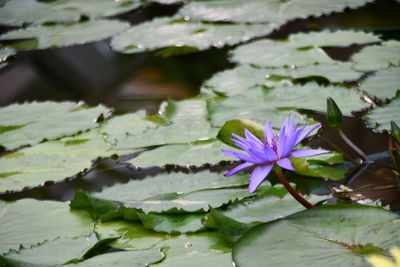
[395,131]
[333,113]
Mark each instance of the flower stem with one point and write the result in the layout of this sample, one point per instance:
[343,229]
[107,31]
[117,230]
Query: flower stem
[290,189]
[353,146]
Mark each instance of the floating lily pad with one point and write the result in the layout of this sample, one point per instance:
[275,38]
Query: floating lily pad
[124,259]
[240,79]
[263,10]
[377,57]
[312,96]
[328,235]
[132,235]
[197,154]
[173,183]
[5,52]
[384,84]
[30,222]
[52,253]
[260,104]
[175,32]
[59,35]
[197,250]
[198,201]
[179,193]
[19,12]
[31,123]
[232,108]
[265,53]
[381,117]
[172,224]
[332,38]
[185,122]
[51,161]
[118,127]
[268,208]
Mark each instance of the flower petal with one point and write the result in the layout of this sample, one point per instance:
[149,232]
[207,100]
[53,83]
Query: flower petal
[238,168]
[266,155]
[241,156]
[251,137]
[306,133]
[268,133]
[286,164]
[302,153]
[258,176]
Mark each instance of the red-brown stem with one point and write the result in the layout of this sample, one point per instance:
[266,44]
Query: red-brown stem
[290,189]
[353,146]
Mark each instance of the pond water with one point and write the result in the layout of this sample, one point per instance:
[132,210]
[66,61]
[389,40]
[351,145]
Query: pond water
[96,74]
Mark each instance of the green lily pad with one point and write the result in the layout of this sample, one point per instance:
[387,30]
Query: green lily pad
[328,235]
[30,222]
[175,32]
[172,183]
[5,52]
[118,127]
[285,97]
[332,38]
[197,154]
[384,84]
[264,53]
[232,108]
[243,77]
[198,201]
[132,235]
[184,122]
[52,161]
[197,250]
[19,12]
[52,253]
[31,123]
[261,104]
[263,10]
[381,117]
[377,57]
[172,223]
[140,258]
[59,35]
[268,208]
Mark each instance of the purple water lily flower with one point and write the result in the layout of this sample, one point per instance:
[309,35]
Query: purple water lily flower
[273,149]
